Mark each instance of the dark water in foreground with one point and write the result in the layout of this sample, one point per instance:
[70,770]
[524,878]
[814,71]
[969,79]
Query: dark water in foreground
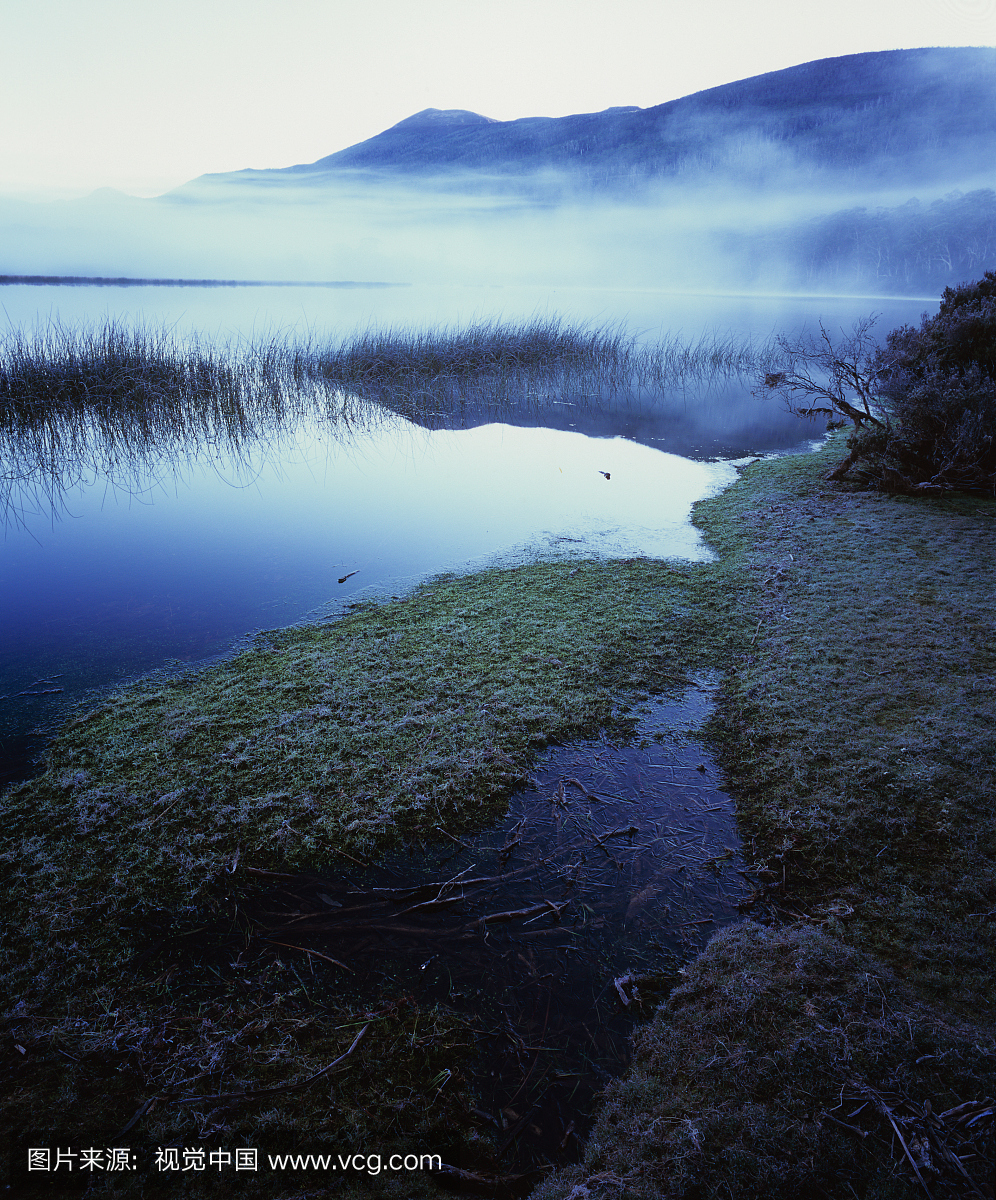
[554,931]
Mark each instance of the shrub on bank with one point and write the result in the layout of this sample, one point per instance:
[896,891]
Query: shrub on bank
[939,383]
[940,436]
[923,406]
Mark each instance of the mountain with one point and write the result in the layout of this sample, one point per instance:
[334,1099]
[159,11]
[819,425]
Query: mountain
[895,116]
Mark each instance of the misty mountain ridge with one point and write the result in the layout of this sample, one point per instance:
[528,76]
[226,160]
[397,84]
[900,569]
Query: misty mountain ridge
[869,174]
[885,118]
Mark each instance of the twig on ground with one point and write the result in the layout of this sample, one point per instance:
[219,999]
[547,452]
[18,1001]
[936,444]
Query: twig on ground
[286,1087]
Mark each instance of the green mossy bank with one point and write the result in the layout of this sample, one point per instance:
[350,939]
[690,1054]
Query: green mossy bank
[857,728]
[396,721]
[855,634]
[129,969]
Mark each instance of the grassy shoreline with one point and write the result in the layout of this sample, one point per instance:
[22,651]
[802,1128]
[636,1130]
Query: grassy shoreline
[158,810]
[855,633]
[856,727]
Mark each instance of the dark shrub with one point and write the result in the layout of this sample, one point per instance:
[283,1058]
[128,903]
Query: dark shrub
[962,335]
[941,436]
[939,385]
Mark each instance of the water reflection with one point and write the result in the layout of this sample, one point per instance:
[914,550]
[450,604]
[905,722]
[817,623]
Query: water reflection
[175,554]
[164,496]
[554,930]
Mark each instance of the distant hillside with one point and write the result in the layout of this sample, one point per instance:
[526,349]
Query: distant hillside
[912,249]
[886,117]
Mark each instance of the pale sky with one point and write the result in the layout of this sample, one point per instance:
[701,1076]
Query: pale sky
[143,95]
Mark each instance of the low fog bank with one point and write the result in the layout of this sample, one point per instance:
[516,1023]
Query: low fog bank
[869,174]
[703,238]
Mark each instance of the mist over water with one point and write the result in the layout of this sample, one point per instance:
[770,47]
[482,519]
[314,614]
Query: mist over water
[702,234]
[390,231]
[254,313]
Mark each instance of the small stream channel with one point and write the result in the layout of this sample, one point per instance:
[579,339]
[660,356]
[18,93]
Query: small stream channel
[557,930]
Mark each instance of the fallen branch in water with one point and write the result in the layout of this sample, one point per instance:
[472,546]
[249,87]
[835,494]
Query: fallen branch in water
[620,985]
[316,953]
[515,914]
[286,1087]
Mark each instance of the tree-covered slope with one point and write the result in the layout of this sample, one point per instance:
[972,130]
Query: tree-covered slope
[913,248]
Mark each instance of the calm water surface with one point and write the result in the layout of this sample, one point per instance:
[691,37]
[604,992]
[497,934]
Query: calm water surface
[177,555]
[248,312]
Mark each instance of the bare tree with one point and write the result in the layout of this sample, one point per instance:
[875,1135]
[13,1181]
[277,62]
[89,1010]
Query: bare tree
[832,379]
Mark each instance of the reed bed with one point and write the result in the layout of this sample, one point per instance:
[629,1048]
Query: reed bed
[432,373]
[114,368]
[459,353]
[128,403]
[124,402]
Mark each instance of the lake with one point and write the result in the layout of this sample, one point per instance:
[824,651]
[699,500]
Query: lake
[180,551]
[130,548]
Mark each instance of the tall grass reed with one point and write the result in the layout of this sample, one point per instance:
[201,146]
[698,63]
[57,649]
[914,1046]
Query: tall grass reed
[116,400]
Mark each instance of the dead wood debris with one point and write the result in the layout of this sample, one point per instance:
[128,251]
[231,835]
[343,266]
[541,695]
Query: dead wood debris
[934,1146]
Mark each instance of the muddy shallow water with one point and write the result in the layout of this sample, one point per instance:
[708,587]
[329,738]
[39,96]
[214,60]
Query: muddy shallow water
[555,930]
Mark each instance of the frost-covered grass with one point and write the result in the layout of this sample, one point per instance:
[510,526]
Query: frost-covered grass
[855,723]
[126,862]
[856,634]
[385,724]
[771,1074]
[859,724]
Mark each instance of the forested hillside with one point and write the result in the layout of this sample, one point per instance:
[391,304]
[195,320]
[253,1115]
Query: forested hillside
[914,248]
